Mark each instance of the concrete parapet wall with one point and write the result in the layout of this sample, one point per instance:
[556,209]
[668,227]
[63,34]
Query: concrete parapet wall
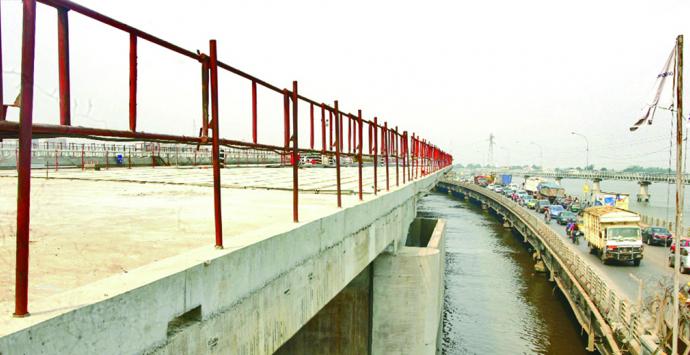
[246,299]
[408,298]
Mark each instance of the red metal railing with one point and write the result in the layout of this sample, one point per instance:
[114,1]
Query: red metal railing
[425,157]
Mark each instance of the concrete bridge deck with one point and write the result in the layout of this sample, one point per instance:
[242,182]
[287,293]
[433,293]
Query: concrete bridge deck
[88,225]
[97,235]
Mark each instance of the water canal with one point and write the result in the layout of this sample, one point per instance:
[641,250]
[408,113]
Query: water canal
[494,301]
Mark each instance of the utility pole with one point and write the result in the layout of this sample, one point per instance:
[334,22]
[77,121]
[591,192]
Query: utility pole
[680,187]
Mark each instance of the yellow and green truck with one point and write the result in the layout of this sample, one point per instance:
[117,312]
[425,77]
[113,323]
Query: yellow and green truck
[613,233]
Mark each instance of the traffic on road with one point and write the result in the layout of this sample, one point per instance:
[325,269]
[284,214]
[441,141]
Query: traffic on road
[612,239]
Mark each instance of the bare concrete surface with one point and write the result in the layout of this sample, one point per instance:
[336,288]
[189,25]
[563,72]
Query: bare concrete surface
[271,278]
[90,225]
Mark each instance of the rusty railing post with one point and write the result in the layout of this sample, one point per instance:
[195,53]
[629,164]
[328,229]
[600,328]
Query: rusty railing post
[409,157]
[311,125]
[338,130]
[349,134]
[403,140]
[295,153]
[370,138]
[396,147]
[323,129]
[215,145]
[412,157]
[255,137]
[21,305]
[341,141]
[63,64]
[132,82]
[376,148]
[359,155]
[386,146]
[330,130]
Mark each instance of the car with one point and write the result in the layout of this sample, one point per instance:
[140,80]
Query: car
[683,243]
[498,189]
[684,265]
[575,207]
[566,217]
[531,203]
[507,191]
[541,205]
[555,210]
[657,235]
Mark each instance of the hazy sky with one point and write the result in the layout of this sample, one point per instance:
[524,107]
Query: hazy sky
[453,71]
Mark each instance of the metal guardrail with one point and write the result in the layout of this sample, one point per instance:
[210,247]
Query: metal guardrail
[419,157]
[617,311]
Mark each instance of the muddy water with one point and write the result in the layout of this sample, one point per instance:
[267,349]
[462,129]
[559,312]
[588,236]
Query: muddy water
[494,302]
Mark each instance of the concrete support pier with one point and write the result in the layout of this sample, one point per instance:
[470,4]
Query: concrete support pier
[408,293]
[596,185]
[392,307]
[644,195]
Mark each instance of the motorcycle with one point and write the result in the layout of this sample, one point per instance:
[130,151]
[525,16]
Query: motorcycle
[547,217]
[573,234]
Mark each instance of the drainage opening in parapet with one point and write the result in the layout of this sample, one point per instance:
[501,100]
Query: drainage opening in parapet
[184,320]
[420,231]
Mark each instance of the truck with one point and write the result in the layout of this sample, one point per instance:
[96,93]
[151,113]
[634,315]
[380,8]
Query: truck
[550,190]
[483,180]
[613,233]
[505,179]
[531,185]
